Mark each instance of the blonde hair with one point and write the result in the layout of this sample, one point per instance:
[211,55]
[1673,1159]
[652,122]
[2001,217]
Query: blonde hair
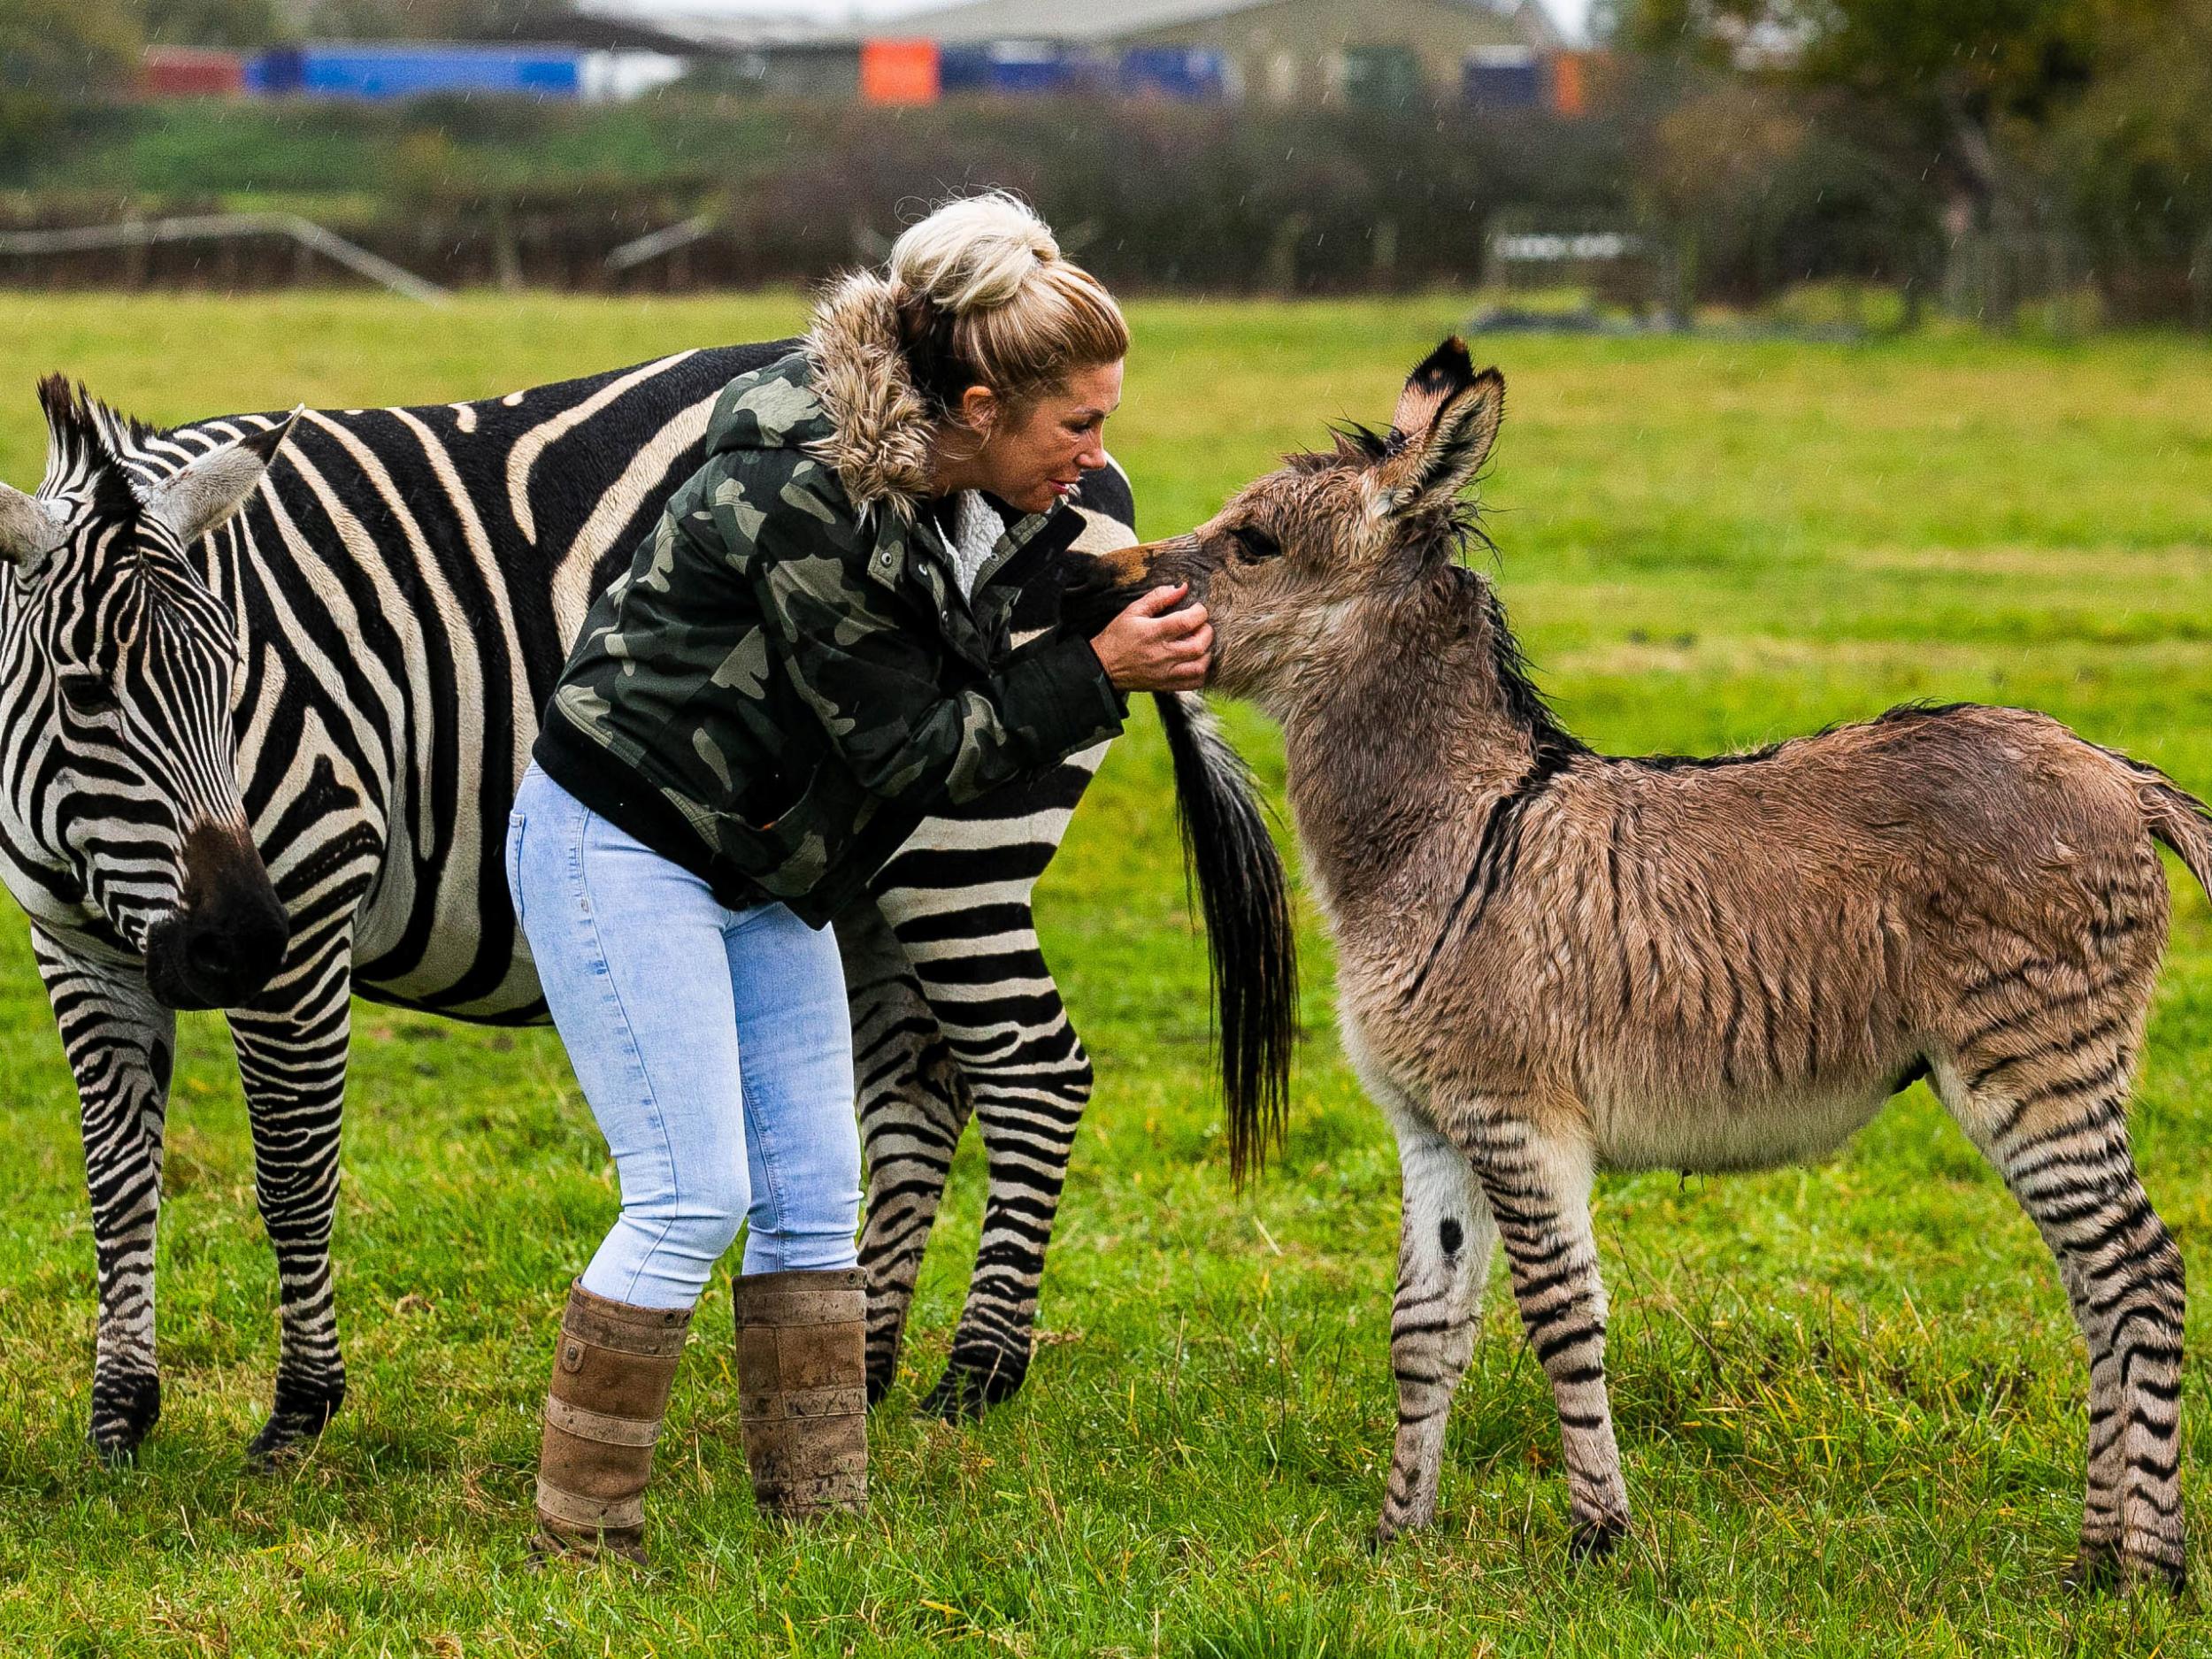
[985,298]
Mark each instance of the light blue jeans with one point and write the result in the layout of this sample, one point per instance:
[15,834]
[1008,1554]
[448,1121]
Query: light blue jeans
[714,1046]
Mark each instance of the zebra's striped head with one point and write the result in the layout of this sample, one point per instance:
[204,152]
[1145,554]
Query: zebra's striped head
[119,673]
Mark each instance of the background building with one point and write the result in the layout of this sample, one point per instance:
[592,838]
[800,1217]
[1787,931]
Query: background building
[1371,52]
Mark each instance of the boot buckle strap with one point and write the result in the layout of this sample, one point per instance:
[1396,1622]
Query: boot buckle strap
[570,1510]
[813,1305]
[598,1426]
[804,1403]
[584,1327]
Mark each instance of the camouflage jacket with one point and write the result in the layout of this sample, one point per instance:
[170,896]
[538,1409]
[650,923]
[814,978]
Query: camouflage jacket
[788,677]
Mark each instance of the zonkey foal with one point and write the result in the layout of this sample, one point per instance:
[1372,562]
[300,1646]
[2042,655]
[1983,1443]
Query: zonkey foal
[1552,960]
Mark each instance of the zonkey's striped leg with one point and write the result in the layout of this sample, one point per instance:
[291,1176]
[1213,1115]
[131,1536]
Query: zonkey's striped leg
[2053,1121]
[1539,1189]
[121,1044]
[912,1108]
[293,1065]
[1444,1247]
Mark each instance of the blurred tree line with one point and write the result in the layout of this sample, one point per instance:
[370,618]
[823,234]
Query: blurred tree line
[1961,150]
[1893,139]
[1162,196]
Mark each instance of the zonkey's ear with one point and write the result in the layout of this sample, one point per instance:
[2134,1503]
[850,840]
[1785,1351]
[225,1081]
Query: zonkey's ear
[28,528]
[1445,423]
[200,499]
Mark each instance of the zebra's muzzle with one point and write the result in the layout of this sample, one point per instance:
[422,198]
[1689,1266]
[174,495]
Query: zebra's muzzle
[227,941]
[1096,588]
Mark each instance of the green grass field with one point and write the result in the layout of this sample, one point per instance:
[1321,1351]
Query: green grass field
[1849,1398]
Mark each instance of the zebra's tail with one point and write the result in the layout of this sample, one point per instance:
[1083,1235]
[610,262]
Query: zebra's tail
[1230,860]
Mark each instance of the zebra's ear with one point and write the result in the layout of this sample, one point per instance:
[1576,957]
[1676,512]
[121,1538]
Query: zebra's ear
[28,529]
[200,498]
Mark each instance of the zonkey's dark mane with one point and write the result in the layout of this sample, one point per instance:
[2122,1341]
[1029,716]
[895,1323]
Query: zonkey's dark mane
[1552,750]
[1356,445]
[1523,701]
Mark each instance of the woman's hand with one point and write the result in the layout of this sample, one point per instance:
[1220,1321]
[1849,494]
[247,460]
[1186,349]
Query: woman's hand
[1154,647]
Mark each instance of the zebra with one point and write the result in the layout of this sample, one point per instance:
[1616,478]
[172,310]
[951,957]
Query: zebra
[265,682]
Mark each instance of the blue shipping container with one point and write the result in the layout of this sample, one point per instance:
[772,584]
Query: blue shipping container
[383,72]
[963,69]
[1502,78]
[1186,75]
[270,73]
[1017,68]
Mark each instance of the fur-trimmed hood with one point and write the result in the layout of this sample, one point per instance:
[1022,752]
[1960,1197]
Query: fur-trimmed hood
[878,443]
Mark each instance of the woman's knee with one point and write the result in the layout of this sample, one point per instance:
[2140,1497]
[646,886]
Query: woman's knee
[702,1206]
[812,1224]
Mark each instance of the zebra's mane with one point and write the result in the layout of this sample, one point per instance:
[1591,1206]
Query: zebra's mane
[80,421]
[95,448]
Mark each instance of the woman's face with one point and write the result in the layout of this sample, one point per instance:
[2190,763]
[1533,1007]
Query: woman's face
[1034,461]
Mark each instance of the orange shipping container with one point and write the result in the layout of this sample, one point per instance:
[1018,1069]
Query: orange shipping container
[898,72]
[1570,84]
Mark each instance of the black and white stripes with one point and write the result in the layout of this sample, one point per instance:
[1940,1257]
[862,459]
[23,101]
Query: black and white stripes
[343,680]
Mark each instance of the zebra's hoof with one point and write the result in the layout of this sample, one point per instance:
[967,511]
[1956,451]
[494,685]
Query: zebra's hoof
[957,1398]
[115,1450]
[300,1416]
[280,1442]
[1597,1538]
[970,1387]
[124,1412]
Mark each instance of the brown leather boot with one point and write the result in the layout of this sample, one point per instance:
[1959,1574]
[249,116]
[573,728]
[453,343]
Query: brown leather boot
[611,1374]
[803,1391]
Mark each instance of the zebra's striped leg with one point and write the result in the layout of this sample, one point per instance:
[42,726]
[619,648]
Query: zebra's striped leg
[957,902]
[293,1065]
[970,946]
[1539,1190]
[1444,1245]
[1028,1105]
[2054,1124]
[913,1107]
[121,1044]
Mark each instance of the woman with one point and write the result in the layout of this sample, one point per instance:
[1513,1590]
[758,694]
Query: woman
[810,653]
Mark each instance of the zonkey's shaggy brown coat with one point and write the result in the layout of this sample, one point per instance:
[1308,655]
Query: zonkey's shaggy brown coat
[1552,960]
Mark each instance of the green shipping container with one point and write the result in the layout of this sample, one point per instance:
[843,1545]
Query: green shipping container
[1382,77]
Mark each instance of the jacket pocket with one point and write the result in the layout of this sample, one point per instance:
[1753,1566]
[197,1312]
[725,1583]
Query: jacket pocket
[767,801]
[777,836]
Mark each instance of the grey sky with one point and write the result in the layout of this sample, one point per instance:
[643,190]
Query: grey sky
[1569,14]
